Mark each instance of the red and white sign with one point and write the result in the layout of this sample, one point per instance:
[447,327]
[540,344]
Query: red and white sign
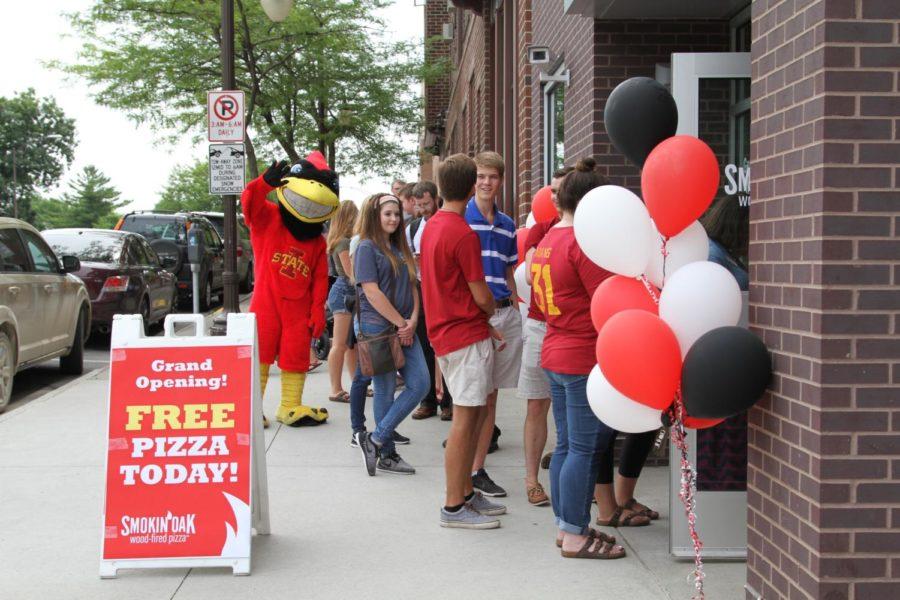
[225,116]
[180,472]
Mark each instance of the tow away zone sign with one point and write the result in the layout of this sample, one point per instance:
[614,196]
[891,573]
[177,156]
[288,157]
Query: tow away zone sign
[225,112]
[227,163]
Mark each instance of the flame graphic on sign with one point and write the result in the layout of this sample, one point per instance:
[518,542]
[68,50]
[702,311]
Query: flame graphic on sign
[237,543]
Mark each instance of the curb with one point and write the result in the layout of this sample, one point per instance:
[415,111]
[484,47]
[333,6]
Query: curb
[93,374]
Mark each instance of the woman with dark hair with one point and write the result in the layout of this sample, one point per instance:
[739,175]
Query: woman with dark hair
[726,224]
[564,282]
[385,273]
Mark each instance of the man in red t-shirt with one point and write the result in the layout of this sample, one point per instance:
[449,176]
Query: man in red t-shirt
[533,384]
[458,304]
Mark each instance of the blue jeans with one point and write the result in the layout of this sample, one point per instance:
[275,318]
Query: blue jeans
[340,290]
[358,400]
[390,411]
[580,439]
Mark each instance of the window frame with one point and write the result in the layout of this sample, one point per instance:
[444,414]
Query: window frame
[28,266]
[34,267]
[548,95]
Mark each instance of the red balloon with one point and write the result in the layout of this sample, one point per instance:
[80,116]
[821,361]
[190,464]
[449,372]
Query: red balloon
[679,181]
[521,234]
[542,205]
[639,355]
[618,293]
[697,423]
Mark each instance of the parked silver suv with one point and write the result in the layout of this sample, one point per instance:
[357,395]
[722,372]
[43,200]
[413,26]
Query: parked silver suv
[45,311]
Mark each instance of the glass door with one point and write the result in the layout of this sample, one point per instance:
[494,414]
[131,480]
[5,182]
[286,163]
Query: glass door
[712,92]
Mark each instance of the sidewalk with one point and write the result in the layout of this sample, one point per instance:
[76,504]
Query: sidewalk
[336,533]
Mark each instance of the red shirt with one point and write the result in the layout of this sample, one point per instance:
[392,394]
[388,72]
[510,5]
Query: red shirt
[565,282]
[534,237]
[450,259]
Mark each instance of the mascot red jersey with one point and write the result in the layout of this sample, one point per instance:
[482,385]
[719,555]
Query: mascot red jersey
[291,272]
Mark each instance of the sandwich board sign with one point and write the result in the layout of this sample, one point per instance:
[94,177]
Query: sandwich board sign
[185,453]
[227,164]
[225,116]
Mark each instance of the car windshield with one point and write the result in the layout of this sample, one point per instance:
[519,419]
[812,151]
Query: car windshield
[87,246]
[154,228]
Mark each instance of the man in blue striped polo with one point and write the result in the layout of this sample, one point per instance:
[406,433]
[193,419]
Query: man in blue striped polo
[497,234]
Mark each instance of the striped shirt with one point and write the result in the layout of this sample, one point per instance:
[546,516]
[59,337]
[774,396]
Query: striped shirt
[498,247]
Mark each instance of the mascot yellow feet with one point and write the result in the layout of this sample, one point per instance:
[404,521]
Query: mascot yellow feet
[292,412]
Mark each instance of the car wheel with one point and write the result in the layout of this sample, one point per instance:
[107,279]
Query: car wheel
[145,315]
[73,362]
[7,369]
[248,282]
[206,298]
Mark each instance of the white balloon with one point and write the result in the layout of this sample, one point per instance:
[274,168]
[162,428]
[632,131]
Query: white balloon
[613,228]
[523,283]
[617,410]
[689,246]
[698,298]
[530,221]
[277,10]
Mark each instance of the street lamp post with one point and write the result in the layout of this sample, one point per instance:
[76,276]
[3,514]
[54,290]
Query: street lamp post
[277,11]
[229,203]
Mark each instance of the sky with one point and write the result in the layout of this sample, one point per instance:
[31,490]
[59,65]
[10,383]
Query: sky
[135,158]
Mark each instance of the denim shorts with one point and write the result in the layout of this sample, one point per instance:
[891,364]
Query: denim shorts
[341,289]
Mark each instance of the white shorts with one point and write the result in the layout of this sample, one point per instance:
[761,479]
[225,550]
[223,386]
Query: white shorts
[533,382]
[508,322]
[467,372]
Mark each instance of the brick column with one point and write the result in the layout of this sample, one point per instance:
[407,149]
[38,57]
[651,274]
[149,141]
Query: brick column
[523,108]
[824,444]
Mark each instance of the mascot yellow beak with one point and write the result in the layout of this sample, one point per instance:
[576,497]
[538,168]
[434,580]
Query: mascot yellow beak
[307,200]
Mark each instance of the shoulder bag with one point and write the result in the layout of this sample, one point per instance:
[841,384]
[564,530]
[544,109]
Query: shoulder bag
[380,353]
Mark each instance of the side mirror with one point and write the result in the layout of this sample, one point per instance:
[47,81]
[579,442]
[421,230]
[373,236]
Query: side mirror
[71,264]
[168,261]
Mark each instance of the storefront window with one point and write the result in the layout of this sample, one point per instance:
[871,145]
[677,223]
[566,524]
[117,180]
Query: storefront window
[554,123]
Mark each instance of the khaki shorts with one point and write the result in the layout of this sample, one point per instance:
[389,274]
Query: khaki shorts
[508,321]
[467,372]
[533,382]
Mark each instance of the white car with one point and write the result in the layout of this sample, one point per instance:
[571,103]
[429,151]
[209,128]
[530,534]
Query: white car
[45,311]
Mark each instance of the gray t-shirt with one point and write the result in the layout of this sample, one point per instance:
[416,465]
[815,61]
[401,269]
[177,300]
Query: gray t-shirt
[371,265]
[343,245]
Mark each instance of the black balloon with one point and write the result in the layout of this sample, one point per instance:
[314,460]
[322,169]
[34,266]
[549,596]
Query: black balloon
[724,373]
[639,114]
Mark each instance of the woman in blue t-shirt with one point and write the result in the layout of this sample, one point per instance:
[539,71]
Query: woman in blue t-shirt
[385,273]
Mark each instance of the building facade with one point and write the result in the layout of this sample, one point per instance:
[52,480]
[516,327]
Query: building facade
[800,100]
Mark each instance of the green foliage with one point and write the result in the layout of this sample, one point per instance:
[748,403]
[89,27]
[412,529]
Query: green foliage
[325,78]
[188,190]
[36,135]
[91,202]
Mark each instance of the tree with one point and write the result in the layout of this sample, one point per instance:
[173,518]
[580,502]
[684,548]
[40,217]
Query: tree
[37,144]
[188,189]
[91,202]
[325,78]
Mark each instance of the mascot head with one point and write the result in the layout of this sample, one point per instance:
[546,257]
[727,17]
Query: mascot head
[309,198]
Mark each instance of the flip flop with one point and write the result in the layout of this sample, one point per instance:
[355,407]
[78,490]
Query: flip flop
[602,550]
[314,366]
[633,505]
[594,533]
[342,397]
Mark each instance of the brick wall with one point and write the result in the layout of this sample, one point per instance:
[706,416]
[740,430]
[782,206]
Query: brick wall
[436,92]
[600,55]
[523,120]
[824,444]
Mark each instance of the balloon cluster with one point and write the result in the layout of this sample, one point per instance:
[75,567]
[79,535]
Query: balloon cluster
[667,320]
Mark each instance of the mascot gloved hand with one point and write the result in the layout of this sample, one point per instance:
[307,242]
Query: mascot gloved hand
[291,272]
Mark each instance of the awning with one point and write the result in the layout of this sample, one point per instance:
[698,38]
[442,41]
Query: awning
[651,9]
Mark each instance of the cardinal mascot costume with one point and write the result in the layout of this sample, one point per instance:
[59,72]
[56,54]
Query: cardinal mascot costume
[291,273]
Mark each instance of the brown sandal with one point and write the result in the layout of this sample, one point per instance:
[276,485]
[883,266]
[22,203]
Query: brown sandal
[602,550]
[633,504]
[594,533]
[633,520]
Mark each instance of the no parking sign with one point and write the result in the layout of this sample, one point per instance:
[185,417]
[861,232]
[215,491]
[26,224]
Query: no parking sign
[185,460]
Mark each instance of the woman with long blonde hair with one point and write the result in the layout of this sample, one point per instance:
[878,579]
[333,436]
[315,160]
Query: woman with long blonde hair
[385,275]
[338,243]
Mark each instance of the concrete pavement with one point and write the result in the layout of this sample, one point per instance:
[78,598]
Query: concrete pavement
[335,531]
